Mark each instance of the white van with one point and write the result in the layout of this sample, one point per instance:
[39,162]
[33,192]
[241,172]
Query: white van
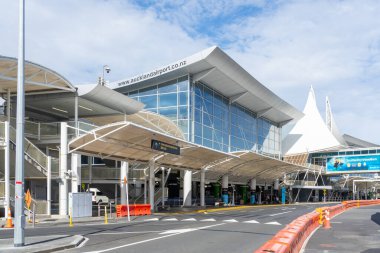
[98,197]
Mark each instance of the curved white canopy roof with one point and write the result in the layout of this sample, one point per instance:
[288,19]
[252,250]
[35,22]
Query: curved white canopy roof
[331,125]
[38,79]
[219,71]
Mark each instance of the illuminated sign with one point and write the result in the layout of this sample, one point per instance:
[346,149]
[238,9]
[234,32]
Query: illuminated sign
[353,164]
[165,147]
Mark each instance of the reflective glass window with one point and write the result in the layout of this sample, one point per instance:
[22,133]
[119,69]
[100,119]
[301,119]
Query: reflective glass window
[171,113]
[149,101]
[183,125]
[183,85]
[198,129]
[167,87]
[198,140]
[207,119]
[168,99]
[198,116]
[182,98]
[208,94]
[148,91]
[207,132]
[182,113]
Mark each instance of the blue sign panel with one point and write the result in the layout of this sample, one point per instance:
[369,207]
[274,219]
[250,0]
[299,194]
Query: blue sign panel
[353,164]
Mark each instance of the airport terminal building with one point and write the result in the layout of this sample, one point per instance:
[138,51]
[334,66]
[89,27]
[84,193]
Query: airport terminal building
[198,131]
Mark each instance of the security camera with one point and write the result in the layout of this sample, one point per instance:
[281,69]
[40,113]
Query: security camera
[107,69]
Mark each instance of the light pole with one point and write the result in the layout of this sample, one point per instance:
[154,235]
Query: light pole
[107,69]
[19,237]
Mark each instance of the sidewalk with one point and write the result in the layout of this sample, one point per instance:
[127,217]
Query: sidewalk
[356,230]
[43,243]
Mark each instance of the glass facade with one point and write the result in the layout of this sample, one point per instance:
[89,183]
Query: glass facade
[207,118]
[230,127]
[170,99]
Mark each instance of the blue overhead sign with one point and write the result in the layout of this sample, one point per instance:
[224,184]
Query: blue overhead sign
[353,164]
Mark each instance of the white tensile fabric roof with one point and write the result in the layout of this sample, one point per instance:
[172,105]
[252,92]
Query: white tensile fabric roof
[331,124]
[310,133]
[129,141]
[38,79]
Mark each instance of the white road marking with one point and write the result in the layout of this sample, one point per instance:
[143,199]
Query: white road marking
[232,220]
[336,222]
[170,219]
[208,219]
[127,232]
[279,213]
[272,223]
[153,219]
[251,221]
[153,239]
[178,231]
[189,219]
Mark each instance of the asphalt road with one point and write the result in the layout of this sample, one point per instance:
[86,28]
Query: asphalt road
[241,230]
[356,230]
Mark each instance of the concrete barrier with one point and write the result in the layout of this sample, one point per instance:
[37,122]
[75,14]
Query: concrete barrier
[292,237]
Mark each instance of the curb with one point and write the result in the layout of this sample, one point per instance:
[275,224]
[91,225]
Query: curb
[64,247]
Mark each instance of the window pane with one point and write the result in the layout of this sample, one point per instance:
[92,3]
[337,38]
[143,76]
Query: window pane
[148,91]
[182,114]
[198,89]
[149,101]
[183,125]
[207,132]
[198,102]
[171,113]
[207,119]
[167,87]
[182,98]
[168,100]
[197,129]
[182,86]
[198,116]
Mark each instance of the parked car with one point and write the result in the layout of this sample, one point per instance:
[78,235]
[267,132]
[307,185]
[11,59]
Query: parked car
[98,197]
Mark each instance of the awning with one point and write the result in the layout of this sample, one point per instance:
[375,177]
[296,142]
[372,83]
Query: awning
[129,141]
[38,79]
[146,119]
[93,101]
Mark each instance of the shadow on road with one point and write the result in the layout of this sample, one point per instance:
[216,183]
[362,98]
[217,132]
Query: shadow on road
[376,218]
[371,251]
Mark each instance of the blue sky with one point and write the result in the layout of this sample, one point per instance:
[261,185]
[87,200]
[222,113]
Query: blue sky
[287,45]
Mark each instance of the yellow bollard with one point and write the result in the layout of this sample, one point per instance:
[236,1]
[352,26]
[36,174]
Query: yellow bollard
[358,204]
[105,215]
[70,219]
[319,210]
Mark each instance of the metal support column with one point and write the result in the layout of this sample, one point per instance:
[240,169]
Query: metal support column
[63,188]
[187,188]
[253,191]
[225,189]
[163,187]
[151,184]
[48,186]
[202,188]
[7,203]
[123,185]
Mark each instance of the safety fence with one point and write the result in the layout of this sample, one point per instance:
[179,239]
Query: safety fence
[292,237]
[134,210]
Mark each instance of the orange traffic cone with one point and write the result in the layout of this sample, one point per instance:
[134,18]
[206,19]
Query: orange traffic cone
[9,223]
[326,221]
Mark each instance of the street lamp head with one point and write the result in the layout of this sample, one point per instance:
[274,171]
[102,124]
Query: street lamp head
[107,68]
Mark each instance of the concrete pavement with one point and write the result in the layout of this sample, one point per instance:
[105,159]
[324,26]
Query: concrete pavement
[241,229]
[356,230]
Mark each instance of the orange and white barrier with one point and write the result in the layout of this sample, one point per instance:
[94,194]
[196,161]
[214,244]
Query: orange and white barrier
[291,238]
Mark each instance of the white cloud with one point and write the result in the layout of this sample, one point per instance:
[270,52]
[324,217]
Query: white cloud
[77,37]
[288,45]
